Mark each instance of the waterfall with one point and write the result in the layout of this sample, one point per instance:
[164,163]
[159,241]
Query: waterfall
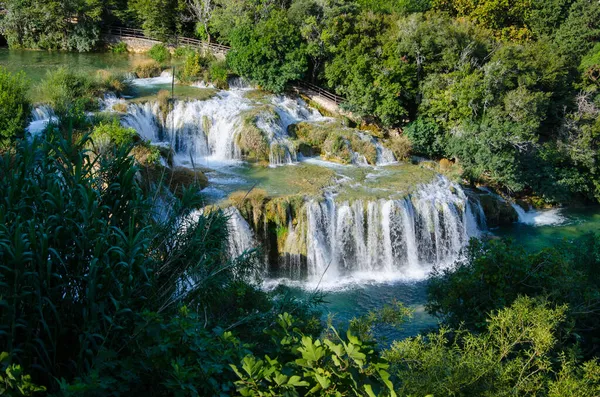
[205,131]
[538,218]
[40,117]
[388,238]
[241,237]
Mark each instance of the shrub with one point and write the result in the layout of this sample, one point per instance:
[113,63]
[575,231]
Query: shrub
[112,132]
[400,145]
[218,74]
[159,53]
[147,69]
[118,83]
[66,90]
[183,52]
[119,48]
[14,106]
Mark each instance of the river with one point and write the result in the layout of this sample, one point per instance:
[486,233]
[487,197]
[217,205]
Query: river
[368,234]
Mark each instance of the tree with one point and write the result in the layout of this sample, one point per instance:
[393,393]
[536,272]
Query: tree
[202,10]
[269,53]
[63,25]
[515,355]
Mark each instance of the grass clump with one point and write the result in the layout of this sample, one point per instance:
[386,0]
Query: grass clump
[118,48]
[399,145]
[159,53]
[65,90]
[117,83]
[147,69]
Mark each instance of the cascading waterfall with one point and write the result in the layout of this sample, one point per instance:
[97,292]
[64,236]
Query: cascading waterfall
[382,239]
[402,237]
[205,131]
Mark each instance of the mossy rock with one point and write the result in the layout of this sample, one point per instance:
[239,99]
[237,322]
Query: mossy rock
[250,139]
[497,212]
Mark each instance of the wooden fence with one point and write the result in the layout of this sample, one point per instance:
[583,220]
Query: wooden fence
[122,32]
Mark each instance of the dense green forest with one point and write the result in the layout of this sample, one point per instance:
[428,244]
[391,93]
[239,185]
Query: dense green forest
[508,89]
[109,286]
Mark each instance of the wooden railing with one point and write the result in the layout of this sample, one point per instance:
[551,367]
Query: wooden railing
[320,91]
[176,41]
[215,47]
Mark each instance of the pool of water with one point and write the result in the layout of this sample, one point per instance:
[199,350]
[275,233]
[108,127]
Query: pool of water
[356,300]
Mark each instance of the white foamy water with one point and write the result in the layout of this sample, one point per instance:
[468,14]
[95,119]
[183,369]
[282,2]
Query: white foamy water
[166,77]
[204,132]
[40,117]
[539,217]
[379,240]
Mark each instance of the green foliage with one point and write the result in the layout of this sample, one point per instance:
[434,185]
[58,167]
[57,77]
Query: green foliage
[14,106]
[51,24]
[106,133]
[13,379]
[515,355]
[68,91]
[427,138]
[333,365]
[496,272]
[161,19]
[218,72]
[159,53]
[119,48]
[148,69]
[72,295]
[269,52]
[366,71]
[193,67]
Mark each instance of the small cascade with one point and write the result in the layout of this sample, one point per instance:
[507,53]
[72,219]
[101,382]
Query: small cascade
[239,83]
[241,237]
[391,238]
[205,131]
[538,218]
[40,117]
[384,155]
[166,77]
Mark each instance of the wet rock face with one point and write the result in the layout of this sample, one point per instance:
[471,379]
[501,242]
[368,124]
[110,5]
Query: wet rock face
[497,212]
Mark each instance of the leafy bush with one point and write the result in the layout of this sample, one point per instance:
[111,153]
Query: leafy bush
[14,106]
[219,72]
[192,68]
[183,52]
[14,381]
[495,273]
[333,365]
[107,133]
[515,355]
[159,53]
[119,48]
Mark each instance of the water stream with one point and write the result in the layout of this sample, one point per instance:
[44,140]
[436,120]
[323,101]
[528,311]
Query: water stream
[370,236]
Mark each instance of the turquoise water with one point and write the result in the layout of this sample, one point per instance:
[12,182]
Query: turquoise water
[358,300]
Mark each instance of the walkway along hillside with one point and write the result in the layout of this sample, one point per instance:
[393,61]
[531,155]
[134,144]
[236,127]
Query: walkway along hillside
[138,41]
